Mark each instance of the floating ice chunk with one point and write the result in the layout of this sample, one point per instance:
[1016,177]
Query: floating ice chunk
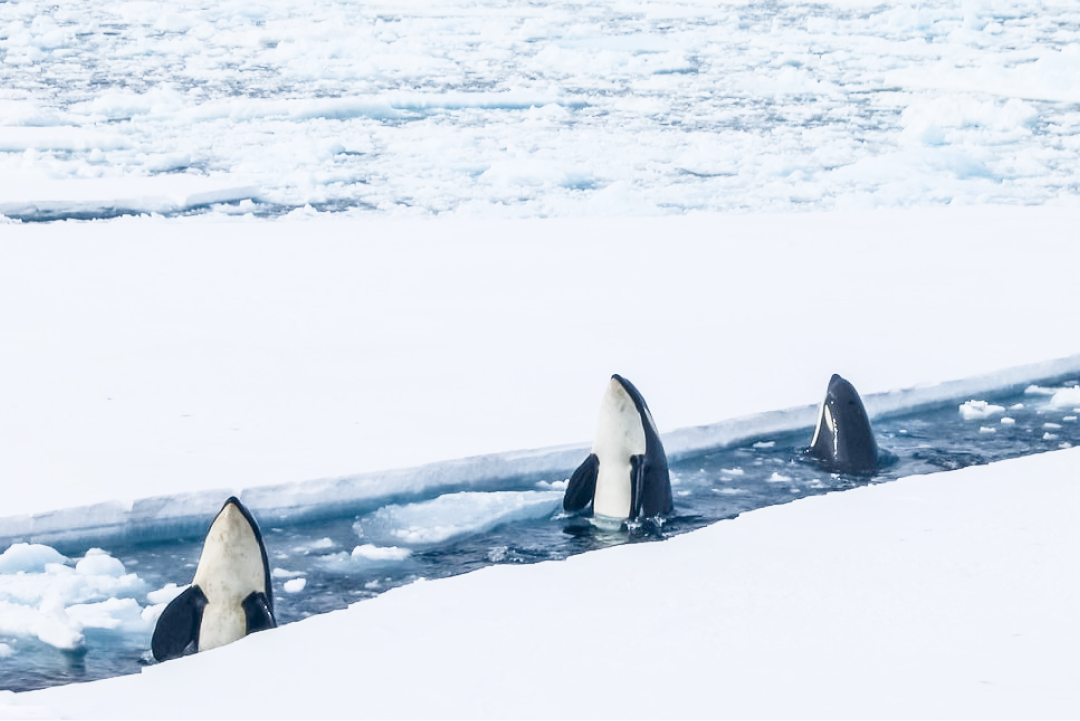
[61,633]
[1069,419]
[320,545]
[552,112]
[296,585]
[99,563]
[1066,398]
[453,515]
[384,553]
[987,429]
[83,587]
[1049,436]
[921,129]
[6,650]
[764,444]
[1016,407]
[42,597]
[778,478]
[730,491]
[166,593]
[733,471]
[1034,390]
[29,558]
[1051,426]
[168,193]
[307,212]
[1008,421]
[172,23]
[50,623]
[977,410]
[534,172]
[282,573]
[58,138]
[364,556]
[114,614]
[927,120]
[553,485]
[122,105]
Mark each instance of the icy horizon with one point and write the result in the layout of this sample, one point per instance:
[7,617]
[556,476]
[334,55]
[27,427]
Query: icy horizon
[510,109]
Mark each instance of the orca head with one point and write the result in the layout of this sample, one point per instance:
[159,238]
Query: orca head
[843,439]
[627,472]
[230,595]
[233,565]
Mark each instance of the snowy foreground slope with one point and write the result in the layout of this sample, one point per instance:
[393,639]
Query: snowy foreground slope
[951,595]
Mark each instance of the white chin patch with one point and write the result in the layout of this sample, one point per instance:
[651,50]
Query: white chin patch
[230,569]
[820,420]
[619,435]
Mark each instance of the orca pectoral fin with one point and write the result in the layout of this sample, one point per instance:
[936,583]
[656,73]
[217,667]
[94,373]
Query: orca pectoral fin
[656,489]
[582,485]
[259,614]
[178,626]
[637,484]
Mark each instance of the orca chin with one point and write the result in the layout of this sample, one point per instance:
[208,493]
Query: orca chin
[230,595]
[843,439]
[626,475]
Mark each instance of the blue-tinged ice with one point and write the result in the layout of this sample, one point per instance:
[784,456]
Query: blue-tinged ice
[29,558]
[454,515]
[44,596]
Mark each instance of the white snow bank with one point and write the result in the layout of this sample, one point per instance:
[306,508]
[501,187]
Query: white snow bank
[942,596]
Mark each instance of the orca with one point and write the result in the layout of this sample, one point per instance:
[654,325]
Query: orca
[843,440]
[230,595]
[626,474]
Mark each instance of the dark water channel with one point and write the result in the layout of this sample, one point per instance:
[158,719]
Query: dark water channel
[317,570]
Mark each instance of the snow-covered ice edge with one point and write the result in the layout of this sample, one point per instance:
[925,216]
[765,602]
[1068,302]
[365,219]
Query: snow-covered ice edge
[170,516]
[97,198]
